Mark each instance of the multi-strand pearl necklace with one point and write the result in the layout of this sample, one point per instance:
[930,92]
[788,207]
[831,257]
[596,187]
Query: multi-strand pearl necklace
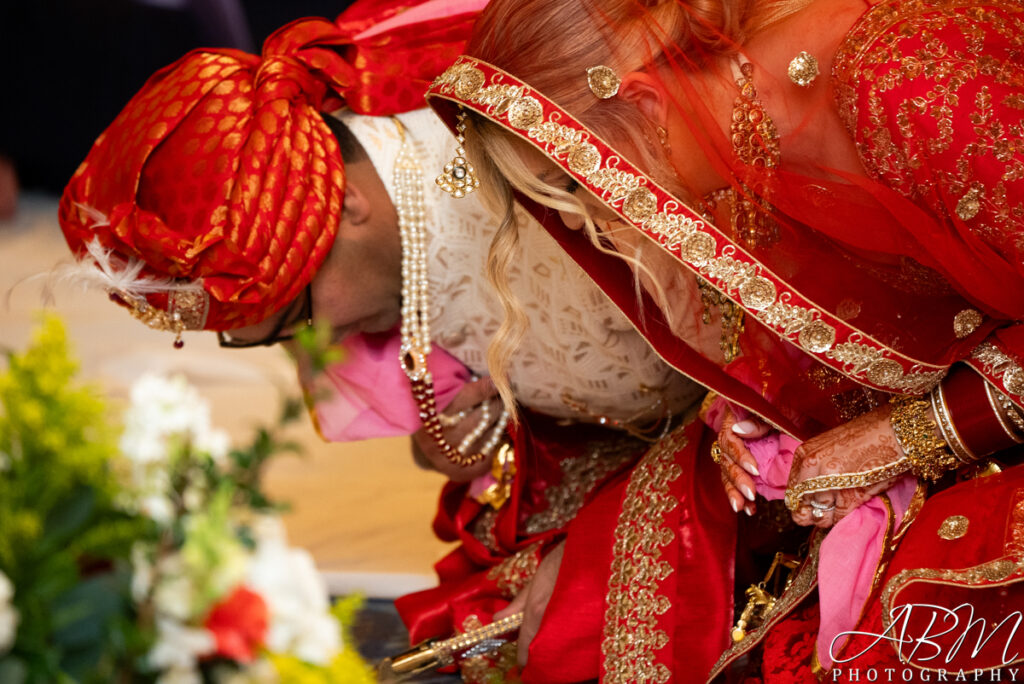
[415,329]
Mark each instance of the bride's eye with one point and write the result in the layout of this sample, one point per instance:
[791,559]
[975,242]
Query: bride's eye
[572,187]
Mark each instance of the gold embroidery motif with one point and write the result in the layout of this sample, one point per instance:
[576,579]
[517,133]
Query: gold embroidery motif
[516,571]
[632,637]
[1015,544]
[687,237]
[966,322]
[941,54]
[579,477]
[1006,570]
[953,527]
[483,529]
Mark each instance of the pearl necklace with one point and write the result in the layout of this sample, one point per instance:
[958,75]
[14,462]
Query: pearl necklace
[415,329]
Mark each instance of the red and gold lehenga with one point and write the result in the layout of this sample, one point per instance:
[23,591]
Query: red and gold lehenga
[862,286]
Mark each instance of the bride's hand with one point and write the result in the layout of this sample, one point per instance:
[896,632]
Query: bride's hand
[863,443]
[737,463]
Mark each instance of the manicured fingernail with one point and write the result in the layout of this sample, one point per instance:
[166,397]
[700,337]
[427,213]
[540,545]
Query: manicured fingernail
[749,510]
[734,504]
[744,427]
[747,492]
[750,468]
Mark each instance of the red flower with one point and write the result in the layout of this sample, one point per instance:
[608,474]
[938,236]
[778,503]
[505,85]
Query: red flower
[239,624]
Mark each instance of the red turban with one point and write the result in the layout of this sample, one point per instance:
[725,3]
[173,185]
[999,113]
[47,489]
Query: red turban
[221,169]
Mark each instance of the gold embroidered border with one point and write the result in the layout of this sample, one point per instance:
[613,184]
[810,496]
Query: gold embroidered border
[579,477]
[1000,369]
[994,573]
[632,637]
[515,572]
[681,232]
[803,583]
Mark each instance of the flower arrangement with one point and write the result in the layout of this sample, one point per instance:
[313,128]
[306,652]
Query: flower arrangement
[153,556]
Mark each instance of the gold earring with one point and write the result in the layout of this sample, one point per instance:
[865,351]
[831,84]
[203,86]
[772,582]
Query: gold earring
[459,177]
[663,139]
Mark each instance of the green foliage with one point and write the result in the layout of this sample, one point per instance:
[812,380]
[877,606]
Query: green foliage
[60,533]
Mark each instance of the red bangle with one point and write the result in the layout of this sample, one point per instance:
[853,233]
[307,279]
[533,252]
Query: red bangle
[975,419]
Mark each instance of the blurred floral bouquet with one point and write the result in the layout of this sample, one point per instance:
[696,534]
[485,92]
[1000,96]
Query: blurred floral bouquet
[153,557]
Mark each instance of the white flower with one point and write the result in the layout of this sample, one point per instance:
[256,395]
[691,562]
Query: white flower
[300,621]
[8,614]
[178,647]
[174,593]
[142,573]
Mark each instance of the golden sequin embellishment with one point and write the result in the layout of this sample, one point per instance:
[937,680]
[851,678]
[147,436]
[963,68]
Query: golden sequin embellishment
[632,636]
[966,322]
[953,527]
[515,572]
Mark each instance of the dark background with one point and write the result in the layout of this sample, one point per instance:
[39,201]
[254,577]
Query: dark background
[69,66]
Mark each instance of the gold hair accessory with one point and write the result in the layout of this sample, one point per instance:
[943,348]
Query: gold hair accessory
[803,70]
[603,81]
[437,653]
[459,177]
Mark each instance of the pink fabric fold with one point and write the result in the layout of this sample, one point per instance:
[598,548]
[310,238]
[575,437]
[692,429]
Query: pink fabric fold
[367,395]
[851,549]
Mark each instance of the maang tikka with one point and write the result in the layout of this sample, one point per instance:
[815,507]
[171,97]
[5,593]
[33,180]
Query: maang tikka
[459,177]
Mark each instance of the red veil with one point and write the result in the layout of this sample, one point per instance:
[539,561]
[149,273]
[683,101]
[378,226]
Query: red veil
[856,280]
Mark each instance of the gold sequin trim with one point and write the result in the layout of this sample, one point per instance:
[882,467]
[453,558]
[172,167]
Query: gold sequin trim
[683,233]
[953,527]
[632,638]
[515,572]
[1000,369]
[579,477]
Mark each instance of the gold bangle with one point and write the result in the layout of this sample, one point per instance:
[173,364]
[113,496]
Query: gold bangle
[948,430]
[915,431]
[824,483]
[1005,410]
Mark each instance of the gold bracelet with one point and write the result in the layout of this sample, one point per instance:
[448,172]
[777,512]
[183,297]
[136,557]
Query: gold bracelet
[948,430]
[1005,410]
[929,458]
[824,483]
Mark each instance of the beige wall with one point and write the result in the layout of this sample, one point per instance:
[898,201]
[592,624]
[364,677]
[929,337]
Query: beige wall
[360,508]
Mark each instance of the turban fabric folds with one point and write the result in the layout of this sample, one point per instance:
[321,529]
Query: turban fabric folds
[221,169]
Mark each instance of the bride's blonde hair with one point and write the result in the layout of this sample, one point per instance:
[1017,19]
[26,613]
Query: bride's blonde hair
[549,44]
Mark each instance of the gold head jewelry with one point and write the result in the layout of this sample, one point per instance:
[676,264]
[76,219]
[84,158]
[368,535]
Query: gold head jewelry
[803,69]
[603,81]
[459,177]
[186,310]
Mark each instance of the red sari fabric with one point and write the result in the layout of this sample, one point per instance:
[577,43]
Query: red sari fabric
[559,469]
[912,266]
